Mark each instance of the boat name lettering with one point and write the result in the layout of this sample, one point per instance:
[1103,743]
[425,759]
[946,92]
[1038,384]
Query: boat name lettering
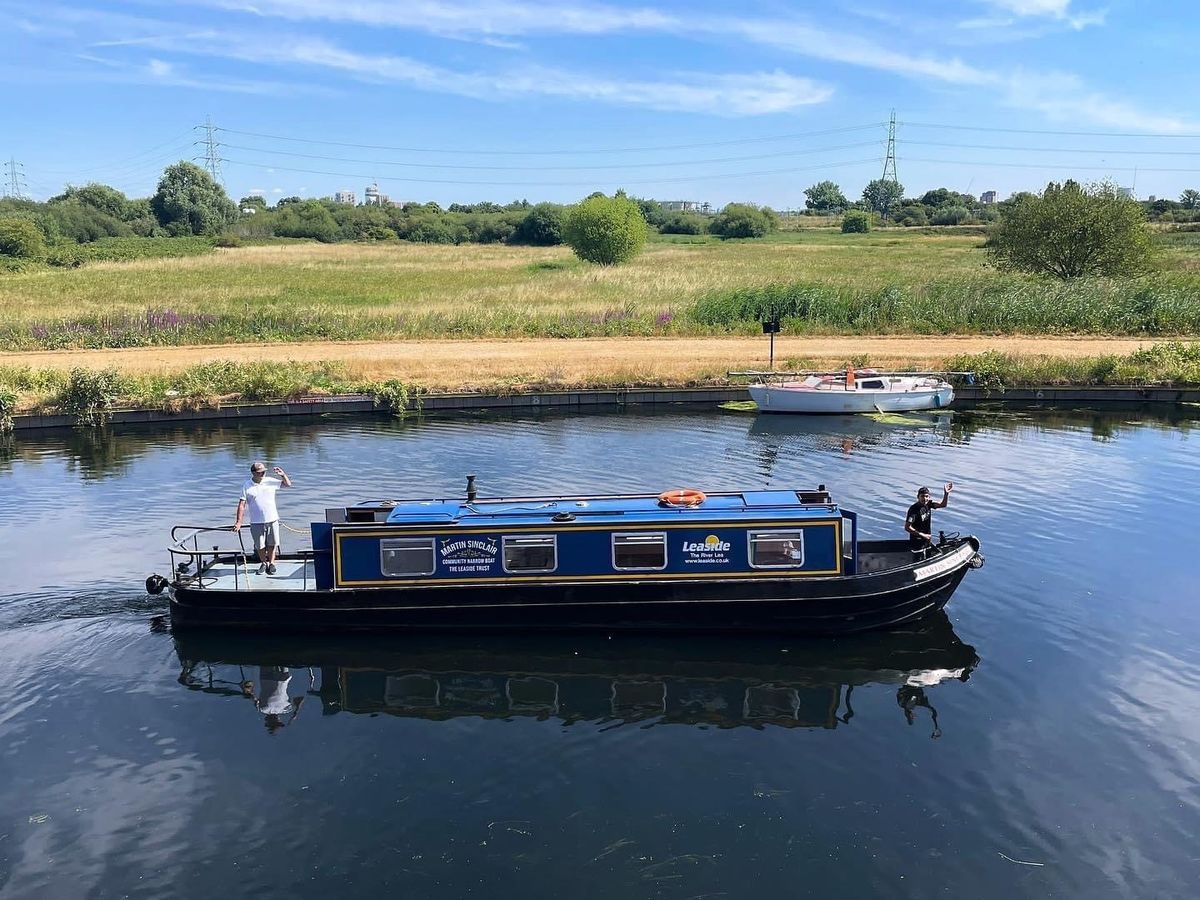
[710,550]
[468,548]
[942,566]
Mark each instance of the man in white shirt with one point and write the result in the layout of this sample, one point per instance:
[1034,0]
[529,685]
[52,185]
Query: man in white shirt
[258,495]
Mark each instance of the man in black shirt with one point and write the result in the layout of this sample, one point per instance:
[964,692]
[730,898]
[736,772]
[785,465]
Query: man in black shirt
[919,521]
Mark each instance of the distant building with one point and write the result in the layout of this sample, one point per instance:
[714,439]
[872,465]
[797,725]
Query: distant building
[1126,192]
[683,205]
[347,197]
[372,197]
[987,197]
[1152,198]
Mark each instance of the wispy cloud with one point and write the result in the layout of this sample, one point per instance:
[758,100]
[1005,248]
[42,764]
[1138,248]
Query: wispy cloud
[738,94]
[1059,96]
[167,74]
[1061,11]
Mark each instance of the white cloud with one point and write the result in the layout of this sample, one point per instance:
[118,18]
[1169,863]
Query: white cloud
[1063,97]
[160,69]
[1055,10]
[748,94]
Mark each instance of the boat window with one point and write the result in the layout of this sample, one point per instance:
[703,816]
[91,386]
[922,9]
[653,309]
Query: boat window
[876,383]
[535,553]
[640,551]
[402,557]
[776,549]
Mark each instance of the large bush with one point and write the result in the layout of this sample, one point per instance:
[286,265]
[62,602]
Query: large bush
[856,221]
[188,201]
[743,220]
[683,223]
[541,227]
[307,219]
[21,239]
[1072,231]
[605,230]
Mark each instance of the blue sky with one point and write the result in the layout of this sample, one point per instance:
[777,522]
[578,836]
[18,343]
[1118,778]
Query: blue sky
[702,100]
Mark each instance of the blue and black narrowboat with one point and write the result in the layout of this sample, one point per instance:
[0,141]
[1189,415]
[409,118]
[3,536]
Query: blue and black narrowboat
[788,560]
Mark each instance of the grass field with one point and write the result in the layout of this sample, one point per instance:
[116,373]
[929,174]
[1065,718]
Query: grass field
[884,282]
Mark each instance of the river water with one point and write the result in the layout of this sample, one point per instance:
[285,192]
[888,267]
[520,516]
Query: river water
[1040,740]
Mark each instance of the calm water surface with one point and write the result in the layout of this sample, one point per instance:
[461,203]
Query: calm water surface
[1053,717]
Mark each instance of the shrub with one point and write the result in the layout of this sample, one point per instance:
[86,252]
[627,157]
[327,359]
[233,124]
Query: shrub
[741,220]
[605,230]
[89,396]
[21,239]
[379,233]
[909,216]
[307,219]
[227,241]
[66,256]
[683,223]
[951,215]
[541,227]
[856,221]
[1072,231]
[8,403]
[392,394]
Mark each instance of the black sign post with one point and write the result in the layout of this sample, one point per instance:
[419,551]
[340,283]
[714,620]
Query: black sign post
[771,327]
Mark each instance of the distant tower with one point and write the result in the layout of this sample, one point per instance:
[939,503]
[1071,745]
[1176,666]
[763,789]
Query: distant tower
[14,180]
[889,163]
[212,150]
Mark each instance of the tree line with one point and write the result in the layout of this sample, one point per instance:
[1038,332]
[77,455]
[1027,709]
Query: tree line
[885,199]
[188,202]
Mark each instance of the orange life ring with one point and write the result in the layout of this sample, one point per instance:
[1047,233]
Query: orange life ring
[682,497]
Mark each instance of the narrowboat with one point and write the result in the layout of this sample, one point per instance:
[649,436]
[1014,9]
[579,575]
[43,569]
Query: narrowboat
[725,681]
[786,560]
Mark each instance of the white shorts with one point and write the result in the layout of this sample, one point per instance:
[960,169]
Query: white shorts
[265,534]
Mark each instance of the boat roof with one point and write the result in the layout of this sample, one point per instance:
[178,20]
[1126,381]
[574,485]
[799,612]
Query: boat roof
[628,509]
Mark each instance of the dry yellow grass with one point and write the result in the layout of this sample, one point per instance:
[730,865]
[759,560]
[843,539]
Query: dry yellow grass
[489,364]
[430,279]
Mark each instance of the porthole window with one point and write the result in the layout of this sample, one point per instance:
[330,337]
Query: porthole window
[644,550]
[406,557]
[776,549]
[533,553]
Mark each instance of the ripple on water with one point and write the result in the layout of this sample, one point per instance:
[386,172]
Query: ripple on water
[1072,744]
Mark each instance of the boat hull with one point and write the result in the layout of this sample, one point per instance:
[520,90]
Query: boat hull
[803,605]
[775,399]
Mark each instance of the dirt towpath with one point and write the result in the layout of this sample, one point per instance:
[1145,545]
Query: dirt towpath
[448,365]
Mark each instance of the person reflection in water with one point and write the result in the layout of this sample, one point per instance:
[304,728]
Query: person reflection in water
[272,700]
[910,697]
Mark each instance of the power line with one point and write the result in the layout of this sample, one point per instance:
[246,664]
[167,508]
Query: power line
[555,152]
[534,184]
[178,142]
[622,166]
[1089,150]
[1047,165]
[1121,134]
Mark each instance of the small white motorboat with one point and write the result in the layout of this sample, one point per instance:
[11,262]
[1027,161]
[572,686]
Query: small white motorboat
[853,391]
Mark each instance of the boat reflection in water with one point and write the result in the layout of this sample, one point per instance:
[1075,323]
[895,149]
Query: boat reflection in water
[721,682]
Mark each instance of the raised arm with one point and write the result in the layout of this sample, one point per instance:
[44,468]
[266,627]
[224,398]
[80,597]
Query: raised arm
[945,501]
[283,476]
